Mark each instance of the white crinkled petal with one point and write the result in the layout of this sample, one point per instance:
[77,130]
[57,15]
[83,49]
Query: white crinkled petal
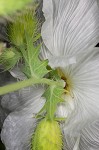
[3,115]
[18,127]
[71,26]
[59,61]
[98,2]
[83,107]
[56,61]
[65,109]
[87,140]
[90,137]
[15,100]
[76,146]
[72,143]
[10,101]
[17,131]
[17,73]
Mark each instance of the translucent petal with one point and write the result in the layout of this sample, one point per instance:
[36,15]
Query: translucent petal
[18,127]
[90,137]
[17,131]
[72,142]
[3,115]
[56,61]
[17,73]
[10,101]
[83,107]
[14,100]
[63,61]
[71,26]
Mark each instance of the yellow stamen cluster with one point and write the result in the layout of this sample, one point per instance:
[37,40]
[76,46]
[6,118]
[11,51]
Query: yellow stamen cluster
[67,80]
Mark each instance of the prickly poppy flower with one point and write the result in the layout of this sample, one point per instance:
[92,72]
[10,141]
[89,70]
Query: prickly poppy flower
[70,33]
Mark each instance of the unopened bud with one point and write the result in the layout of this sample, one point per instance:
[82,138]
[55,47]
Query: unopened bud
[47,136]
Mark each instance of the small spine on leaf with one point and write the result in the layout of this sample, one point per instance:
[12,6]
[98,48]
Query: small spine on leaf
[48,136]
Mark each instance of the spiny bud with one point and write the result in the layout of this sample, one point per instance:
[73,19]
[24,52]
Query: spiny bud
[47,136]
[22,25]
[9,58]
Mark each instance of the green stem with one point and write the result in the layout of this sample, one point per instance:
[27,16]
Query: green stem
[18,85]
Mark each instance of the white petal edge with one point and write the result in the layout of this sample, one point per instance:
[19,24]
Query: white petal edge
[18,127]
[21,98]
[17,73]
[3,115]
[83,107]
[90,137]
[71,26]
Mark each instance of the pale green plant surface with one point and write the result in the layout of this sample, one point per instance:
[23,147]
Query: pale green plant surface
[53,97]
[48,136]
[33,66]
[9,58]
[25,22]
[10,6]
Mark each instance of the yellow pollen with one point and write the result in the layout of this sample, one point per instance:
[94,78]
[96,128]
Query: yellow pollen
[68,85]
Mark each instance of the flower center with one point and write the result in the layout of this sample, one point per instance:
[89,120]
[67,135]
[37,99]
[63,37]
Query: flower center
[66,78]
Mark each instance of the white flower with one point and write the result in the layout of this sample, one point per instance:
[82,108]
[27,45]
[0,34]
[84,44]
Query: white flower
[70,33]
[18,127]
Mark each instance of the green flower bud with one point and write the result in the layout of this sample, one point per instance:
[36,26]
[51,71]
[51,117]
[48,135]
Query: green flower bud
[47,136]
[9,58]
[23,24]
[9,54]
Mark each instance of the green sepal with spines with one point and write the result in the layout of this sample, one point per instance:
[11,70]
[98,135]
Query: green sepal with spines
[25,22]
[25,35]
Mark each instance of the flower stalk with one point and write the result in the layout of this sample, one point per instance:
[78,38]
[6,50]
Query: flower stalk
[29,82]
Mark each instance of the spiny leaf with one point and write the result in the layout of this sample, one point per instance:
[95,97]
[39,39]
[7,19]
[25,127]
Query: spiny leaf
[34,67]
[24,33]
[53,96]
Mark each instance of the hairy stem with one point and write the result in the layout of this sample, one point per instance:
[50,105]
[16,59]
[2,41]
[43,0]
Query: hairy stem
[21,84]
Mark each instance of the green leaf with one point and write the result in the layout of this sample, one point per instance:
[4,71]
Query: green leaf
[24,33]
[53,74]
[10,6]
[34,67]
[60,119]
[53,96]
